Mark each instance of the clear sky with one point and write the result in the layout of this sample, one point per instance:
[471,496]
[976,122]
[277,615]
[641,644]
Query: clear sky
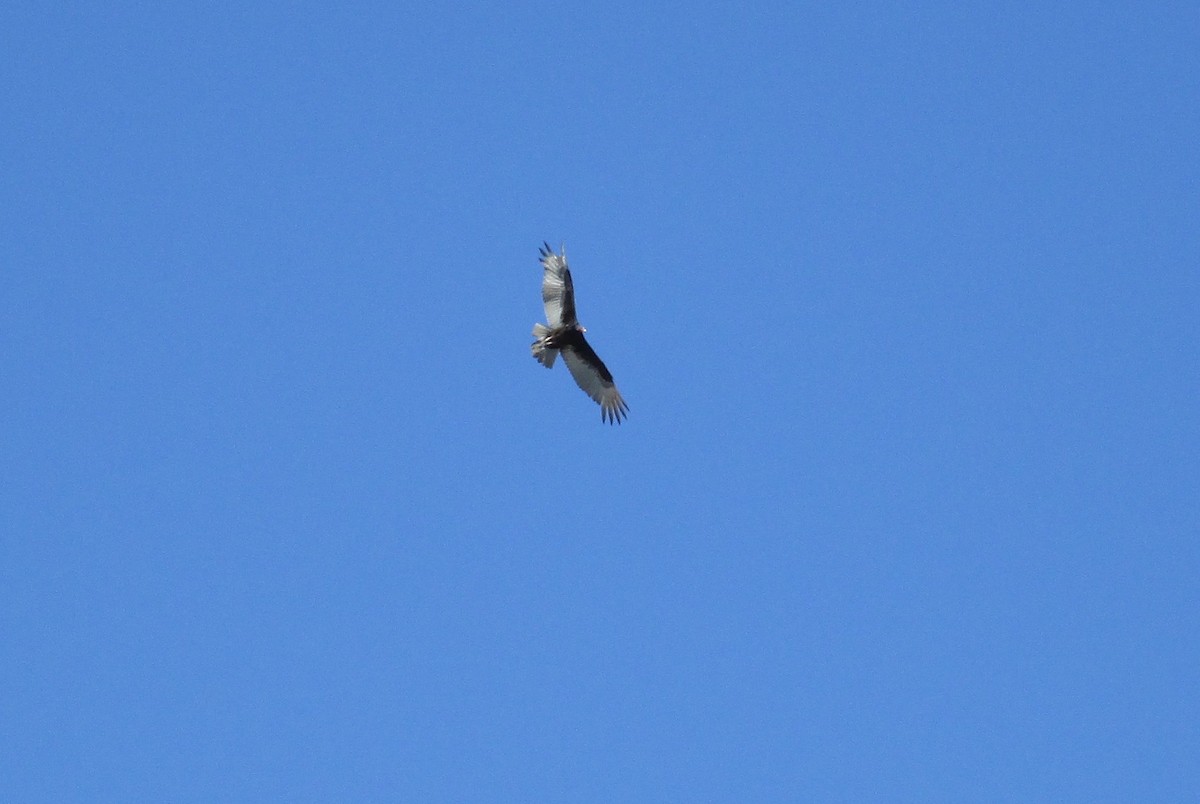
[905,301]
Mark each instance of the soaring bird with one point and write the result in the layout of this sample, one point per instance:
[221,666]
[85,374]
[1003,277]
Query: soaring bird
[565,335]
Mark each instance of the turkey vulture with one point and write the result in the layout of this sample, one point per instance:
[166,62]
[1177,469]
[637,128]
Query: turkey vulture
[566,335]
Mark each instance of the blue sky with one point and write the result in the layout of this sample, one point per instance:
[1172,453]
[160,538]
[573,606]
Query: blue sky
[903,301]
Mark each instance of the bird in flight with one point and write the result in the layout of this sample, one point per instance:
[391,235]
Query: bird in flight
[565,336]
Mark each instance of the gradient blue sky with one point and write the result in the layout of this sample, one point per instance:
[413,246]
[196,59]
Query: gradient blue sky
[905,302]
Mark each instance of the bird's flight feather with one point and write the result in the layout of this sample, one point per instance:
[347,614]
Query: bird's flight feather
[558,294]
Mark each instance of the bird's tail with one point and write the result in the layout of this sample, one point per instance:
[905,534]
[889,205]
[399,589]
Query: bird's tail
[544,355]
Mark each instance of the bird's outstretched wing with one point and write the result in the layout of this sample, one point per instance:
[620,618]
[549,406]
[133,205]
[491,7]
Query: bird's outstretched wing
[558,294]
[594,378]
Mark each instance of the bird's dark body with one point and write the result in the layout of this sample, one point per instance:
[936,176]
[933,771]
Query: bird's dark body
[564,338]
